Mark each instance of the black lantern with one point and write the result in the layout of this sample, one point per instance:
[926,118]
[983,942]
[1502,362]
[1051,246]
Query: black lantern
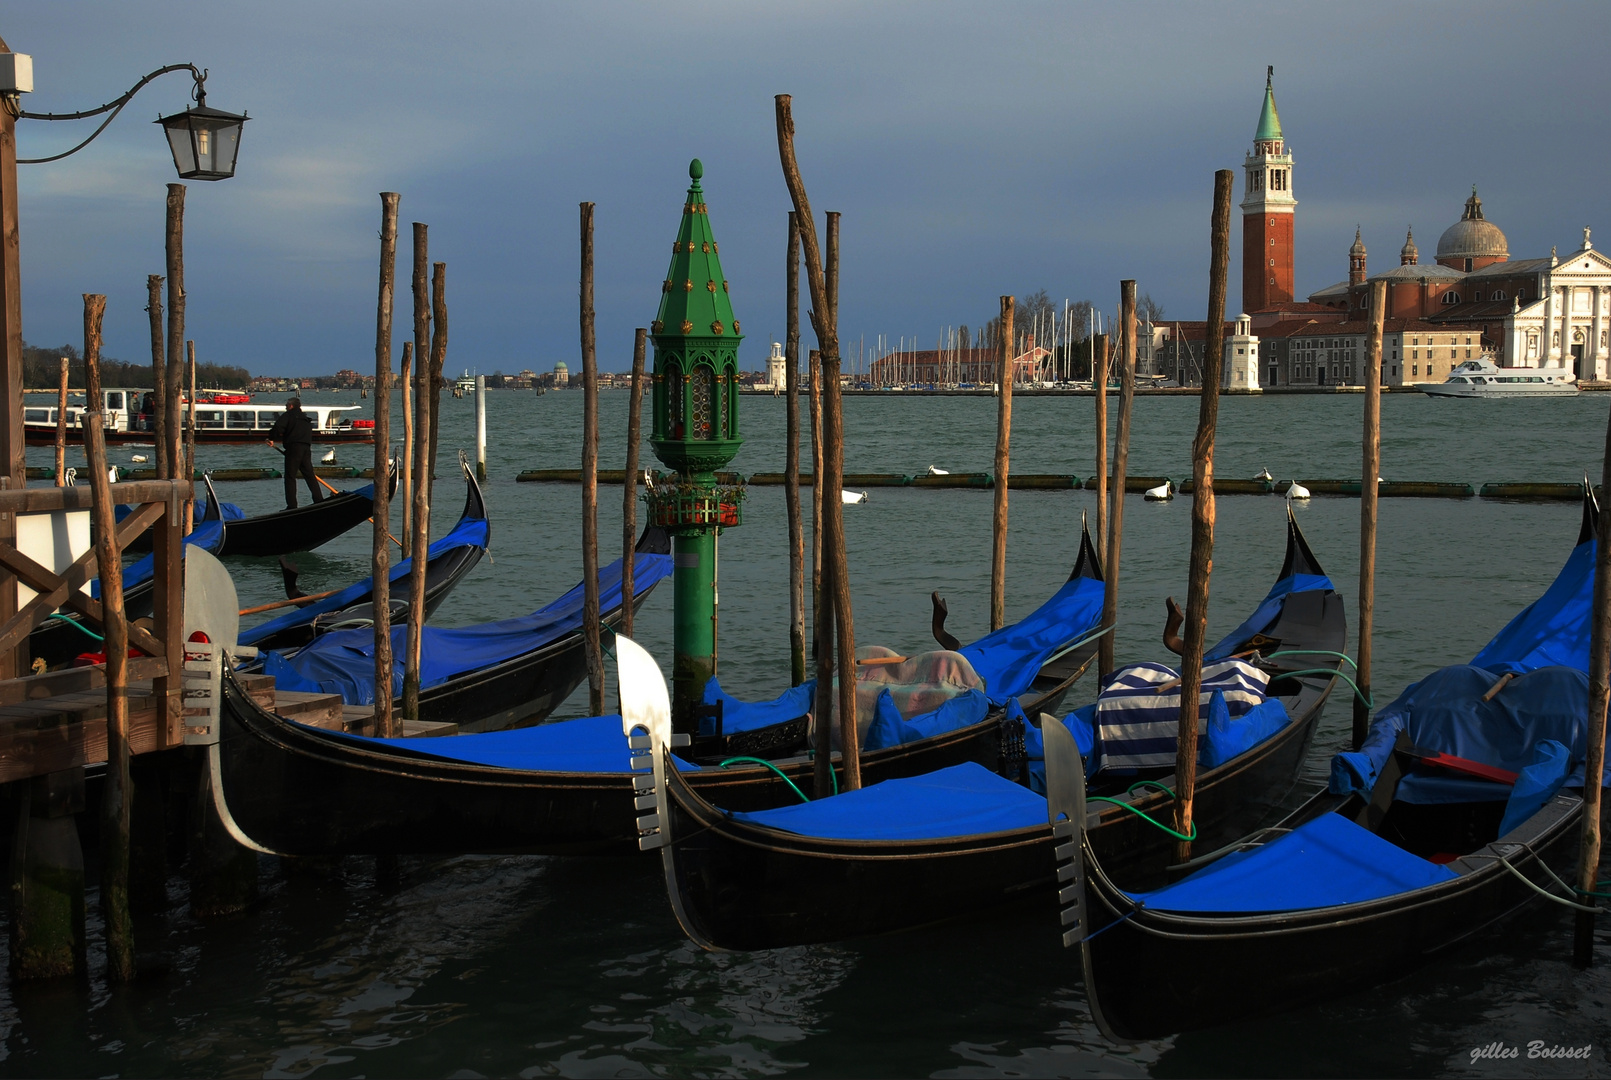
[204,141]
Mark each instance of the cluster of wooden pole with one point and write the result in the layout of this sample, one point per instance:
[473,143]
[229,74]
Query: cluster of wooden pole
[791,457]
[1202,514]
[832,608]
[1111,549]
[1370,474]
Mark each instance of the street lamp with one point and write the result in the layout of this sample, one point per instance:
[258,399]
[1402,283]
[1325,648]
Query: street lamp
[204,141]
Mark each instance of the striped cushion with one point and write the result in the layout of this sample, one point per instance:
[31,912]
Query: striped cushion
[1137,722]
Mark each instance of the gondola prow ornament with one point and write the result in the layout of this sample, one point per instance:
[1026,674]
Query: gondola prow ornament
[695,433]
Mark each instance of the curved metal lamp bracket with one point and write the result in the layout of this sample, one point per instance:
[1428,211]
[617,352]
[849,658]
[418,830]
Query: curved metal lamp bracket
[198,93]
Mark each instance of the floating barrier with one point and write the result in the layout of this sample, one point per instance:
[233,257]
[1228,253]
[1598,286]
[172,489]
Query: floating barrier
[1043,481]
[1135,485]
[1564,492]
[956,480]
[333,472]
[1386,489]
[1229,485]
[775,479]
[876,479]
[569,476]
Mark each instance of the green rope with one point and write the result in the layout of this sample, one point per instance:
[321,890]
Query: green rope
[1313,652]
[1326,671]
[769,765]
[1144,816]
[69,620]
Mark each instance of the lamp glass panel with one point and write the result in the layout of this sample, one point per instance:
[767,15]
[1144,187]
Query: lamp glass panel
[184,153]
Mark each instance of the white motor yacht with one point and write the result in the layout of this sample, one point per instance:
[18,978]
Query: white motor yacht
[1482,378]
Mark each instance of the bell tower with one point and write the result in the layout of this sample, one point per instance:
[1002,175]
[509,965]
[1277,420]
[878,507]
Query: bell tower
[1268,209]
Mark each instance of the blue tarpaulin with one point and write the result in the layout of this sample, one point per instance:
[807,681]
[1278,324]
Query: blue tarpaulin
[1445,713]
[343,661]
[1009,659]
[1552,630]
[207,535]
[593,744]
[469,532]
[963,800]
[738,716]
[889,729]
[1323,863]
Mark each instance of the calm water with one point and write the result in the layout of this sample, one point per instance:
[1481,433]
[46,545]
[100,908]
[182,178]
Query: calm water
[535,966]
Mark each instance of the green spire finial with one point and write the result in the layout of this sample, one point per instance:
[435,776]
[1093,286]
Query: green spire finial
[1269,122]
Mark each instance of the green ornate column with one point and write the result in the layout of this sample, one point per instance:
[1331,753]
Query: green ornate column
[695,433]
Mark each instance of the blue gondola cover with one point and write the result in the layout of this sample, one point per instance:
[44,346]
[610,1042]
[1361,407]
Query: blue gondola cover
[1009,658]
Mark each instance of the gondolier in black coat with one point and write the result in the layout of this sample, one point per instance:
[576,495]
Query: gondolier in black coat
[295,430]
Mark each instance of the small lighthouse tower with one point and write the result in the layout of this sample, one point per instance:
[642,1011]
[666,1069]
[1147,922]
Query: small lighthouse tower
[694,433]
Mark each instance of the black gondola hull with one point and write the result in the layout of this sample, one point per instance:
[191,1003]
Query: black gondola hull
[1154,974]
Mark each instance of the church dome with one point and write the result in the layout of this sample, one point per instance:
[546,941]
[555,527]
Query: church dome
[1473,237]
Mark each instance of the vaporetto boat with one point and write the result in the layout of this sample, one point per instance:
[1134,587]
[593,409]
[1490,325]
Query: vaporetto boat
[1482,378]
[220,418]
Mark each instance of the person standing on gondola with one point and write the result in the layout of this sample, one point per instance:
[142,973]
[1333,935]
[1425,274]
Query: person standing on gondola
[295,430]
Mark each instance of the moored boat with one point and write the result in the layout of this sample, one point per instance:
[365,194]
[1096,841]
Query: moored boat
[1462,807]
[1482,378]
[922,849]
[127,419]
[565,787]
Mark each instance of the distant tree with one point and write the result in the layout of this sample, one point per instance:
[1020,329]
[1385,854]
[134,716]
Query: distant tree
[1148,309]
[962,338]
[1079,320]
[42,368]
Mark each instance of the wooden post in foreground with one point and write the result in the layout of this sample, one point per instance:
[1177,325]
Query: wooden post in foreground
[419,539]
[176,329]
[791,458]
[824,285]
[380,553]
[815,409]
[1099,384]
[1202,514]
[998,530]
[1121,466]
[821,601]
[590,480]
[117,798]
[1372,470]
[61,429]
[190,439]
[629,499]
[159,373]
[1588,852]
[432,381]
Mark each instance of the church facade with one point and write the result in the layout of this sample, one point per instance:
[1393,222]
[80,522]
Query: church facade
[1548,312]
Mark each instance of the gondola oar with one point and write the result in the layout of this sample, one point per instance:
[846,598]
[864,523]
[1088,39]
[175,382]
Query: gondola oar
[337,491]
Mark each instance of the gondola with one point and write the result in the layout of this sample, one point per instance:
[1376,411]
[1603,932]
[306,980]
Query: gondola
[924,849]
[1462,806]
[559,788]
[63,637]
[448,560]
[307,527]
[485,677]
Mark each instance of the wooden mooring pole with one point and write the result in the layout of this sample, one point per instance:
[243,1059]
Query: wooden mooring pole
[190,438]
[1202,515]
[380,553]
[61,429]
[1121,465]
[406,380]
[823,281]
[1099,386]
[591,643]
[822,637]
[159,370]
[1589,840]
[117,796]
[419,538]
[629,497]
[480,427]
[791,457]
[432,382]
[998,529]
[173,376]
[1372,471]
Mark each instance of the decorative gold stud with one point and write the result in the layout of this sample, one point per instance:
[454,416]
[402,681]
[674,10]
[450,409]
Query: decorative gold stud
[736,330]
[657,327]
[688,286]
[690,247]
[716,327]
[724,285]
[711,286]
[666,286]
[687,327]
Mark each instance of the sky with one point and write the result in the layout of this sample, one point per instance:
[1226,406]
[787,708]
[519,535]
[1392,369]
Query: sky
[974,150]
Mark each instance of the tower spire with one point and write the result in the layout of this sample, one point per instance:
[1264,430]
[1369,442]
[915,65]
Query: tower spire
[1409,255]
[1356,259]
[1269,119]
[1267,212]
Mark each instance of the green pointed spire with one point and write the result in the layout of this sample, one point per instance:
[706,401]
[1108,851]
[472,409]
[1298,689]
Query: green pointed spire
[1269,121]
[694,299]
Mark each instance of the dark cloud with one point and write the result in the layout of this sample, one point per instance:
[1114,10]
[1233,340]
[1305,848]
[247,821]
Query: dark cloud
[973,149]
